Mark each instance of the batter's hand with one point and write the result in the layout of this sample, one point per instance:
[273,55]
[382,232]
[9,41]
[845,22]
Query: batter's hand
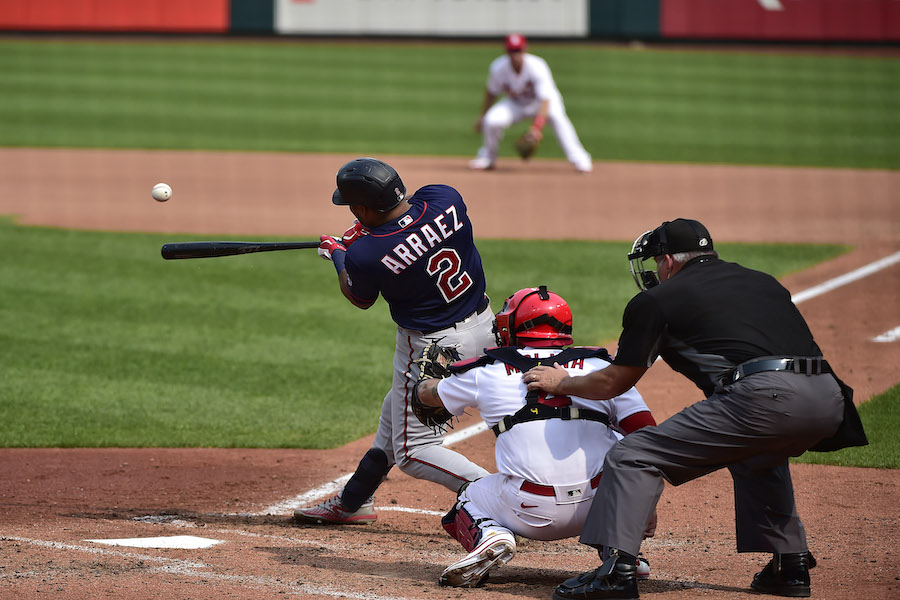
[355,232]
[329,246]
[548,379]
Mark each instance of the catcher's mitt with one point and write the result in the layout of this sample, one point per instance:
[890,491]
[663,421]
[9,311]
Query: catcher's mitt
[434,362]
[527,144]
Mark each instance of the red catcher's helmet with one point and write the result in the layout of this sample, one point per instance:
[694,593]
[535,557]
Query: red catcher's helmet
[516,42]
[535,317]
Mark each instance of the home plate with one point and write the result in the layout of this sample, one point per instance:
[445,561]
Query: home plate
[185,542]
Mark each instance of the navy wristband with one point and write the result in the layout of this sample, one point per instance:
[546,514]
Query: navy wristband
[338,257]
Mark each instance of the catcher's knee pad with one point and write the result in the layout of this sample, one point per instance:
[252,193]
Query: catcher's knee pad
[462,527]
[372,470]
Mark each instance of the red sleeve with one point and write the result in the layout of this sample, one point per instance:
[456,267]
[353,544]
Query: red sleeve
[636,421]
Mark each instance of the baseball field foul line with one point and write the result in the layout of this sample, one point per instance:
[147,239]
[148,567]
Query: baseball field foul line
[869,269]
[333,486]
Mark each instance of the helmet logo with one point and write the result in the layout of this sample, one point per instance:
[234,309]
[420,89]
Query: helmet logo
[703,242]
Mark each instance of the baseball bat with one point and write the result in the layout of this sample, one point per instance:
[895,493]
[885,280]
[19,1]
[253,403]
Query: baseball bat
[177,250]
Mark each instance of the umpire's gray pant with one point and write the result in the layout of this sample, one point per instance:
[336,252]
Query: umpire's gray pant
[751,427]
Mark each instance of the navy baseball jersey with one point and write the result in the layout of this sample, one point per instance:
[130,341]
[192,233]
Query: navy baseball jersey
[424,264]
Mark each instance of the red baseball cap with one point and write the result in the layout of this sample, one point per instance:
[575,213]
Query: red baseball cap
[515,42]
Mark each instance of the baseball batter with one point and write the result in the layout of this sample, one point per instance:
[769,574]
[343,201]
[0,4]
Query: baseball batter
[419,254]
[548,454]
[529,92]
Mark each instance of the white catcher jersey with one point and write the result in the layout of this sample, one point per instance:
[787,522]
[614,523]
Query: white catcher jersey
[534,83]
[552,451]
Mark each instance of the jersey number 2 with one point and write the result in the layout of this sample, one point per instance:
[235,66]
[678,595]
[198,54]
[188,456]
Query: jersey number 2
[452,281]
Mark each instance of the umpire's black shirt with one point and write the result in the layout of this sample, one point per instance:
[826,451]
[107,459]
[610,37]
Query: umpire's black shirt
[709,317]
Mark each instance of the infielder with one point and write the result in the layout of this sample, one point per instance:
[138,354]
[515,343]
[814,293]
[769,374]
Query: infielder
[549,449]
[529,92]
[419,254]
[770,395]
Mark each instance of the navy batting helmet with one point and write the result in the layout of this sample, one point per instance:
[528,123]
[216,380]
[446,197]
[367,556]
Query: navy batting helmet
[369,182]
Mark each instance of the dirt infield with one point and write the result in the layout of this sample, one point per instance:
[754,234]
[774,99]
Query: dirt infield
[53,502]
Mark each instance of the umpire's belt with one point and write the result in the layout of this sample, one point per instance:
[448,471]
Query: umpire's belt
[485,302]
[803,365]
[548,490]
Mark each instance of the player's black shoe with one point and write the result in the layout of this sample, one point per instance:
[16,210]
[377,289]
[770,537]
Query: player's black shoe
[785,575]
[615,578]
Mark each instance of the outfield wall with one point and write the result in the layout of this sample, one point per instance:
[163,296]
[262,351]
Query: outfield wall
[873,21]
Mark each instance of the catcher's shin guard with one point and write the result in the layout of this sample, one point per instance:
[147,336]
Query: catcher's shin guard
[462,527]
[370,473]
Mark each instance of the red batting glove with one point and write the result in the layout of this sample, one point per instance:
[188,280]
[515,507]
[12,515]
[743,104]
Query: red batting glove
[329,246]
[354,233]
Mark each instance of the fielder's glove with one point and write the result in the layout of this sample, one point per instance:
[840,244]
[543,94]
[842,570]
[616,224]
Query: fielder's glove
[528,143]
[434,362]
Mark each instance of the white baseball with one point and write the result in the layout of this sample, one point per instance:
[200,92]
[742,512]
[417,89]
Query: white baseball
[161,192]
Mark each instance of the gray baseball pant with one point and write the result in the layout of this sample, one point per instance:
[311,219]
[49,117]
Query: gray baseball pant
[750,427]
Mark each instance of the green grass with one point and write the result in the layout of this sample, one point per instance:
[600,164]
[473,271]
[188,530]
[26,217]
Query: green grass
[423,98]
[103,343]
[881,420]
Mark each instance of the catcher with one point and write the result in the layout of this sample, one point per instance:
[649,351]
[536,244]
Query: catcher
[549,449]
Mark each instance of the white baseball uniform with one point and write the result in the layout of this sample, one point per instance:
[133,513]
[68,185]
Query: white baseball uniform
[523,94]
[559,457]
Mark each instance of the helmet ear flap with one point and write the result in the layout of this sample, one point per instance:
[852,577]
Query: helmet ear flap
[504,327]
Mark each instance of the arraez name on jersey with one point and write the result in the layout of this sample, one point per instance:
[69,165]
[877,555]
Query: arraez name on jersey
[418,243]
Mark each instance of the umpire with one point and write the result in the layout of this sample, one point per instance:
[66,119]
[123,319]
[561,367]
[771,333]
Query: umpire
[770,395]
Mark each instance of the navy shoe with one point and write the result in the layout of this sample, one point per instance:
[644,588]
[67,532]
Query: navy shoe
[785,575]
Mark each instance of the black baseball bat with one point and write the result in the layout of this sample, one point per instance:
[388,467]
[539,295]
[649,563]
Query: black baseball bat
[178,250]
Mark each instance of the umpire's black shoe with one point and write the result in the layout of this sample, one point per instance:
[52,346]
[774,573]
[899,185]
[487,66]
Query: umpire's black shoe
[785,575]
[615,578]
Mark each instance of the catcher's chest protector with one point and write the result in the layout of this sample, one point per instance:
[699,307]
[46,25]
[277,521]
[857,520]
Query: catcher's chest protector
[536,407]
[510,356]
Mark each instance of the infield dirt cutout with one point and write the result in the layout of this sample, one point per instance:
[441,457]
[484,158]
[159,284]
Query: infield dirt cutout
[54,501]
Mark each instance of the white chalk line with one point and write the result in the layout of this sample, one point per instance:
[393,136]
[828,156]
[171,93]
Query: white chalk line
[333,487]
[888,336]
[855,275]
[198,570]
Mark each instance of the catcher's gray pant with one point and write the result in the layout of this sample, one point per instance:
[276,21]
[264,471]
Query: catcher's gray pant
[750,427]
[409,444]
[505,113]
